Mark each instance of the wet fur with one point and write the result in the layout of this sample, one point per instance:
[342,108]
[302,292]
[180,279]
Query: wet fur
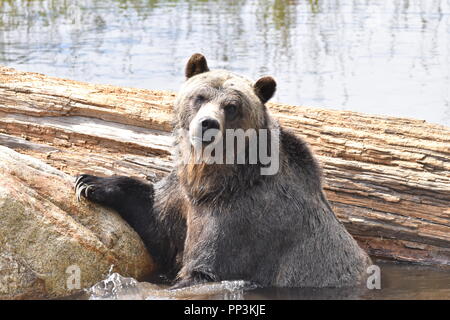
[224,222]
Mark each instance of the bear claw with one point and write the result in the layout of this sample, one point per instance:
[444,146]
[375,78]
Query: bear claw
[81,187]
[78,179]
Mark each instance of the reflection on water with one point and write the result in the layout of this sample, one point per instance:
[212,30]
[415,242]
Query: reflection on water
[398,281]
[384,57]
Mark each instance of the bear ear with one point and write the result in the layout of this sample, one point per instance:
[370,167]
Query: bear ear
[265,88]
[196,65]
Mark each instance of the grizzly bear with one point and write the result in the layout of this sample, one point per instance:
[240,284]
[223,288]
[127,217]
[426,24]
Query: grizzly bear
[214,221]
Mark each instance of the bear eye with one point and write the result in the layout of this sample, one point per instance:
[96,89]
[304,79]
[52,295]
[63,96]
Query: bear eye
[231,111]
[200,98]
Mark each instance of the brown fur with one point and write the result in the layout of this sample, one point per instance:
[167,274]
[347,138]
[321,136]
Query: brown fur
[197,64]
[213,222]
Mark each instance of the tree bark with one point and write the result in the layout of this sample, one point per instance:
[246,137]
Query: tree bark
[388,179]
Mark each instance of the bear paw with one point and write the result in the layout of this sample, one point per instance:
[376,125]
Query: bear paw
[95,189]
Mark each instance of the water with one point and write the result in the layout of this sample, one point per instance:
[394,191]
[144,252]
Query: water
[398,281]
[383,57]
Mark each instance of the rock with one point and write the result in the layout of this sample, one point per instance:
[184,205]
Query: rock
[47,238]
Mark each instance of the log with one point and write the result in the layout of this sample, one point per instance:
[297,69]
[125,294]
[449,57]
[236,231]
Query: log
[388,179]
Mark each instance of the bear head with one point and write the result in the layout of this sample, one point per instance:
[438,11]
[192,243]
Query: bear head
[220,99]
[217,101]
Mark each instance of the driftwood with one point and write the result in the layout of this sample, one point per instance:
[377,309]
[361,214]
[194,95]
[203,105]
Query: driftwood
[388,179]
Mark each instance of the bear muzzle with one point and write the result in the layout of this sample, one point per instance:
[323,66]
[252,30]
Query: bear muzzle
[206,126]
[204,131]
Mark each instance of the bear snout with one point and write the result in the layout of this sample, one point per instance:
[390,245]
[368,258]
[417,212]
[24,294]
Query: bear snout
[208,124]
[204,131]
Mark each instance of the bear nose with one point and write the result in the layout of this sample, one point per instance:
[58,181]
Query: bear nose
[209,124]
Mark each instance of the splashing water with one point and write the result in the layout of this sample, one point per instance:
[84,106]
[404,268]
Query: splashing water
[116,287]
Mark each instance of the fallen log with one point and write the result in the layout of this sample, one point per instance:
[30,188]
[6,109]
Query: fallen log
[387,178]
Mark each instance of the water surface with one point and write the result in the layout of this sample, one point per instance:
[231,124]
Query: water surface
[382,57]
[398,281]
